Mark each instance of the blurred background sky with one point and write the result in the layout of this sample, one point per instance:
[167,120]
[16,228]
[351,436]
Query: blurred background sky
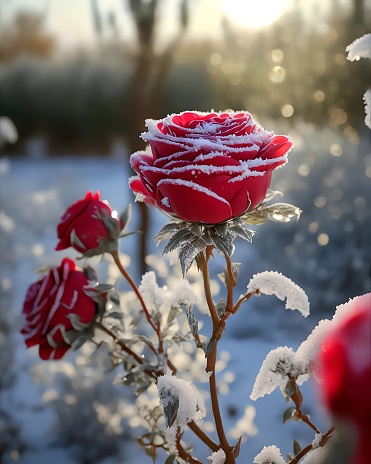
[81,74]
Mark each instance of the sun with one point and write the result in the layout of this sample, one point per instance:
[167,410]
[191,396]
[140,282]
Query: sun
[254,13]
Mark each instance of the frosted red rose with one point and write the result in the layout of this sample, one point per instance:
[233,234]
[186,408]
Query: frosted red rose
[84,224]
[47,305]
[207,167]
[346,372]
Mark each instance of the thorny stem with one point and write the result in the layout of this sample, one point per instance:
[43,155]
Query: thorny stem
[308,448]
[116,258]
[211,363]
[194,427]
[183,453]
[156,328]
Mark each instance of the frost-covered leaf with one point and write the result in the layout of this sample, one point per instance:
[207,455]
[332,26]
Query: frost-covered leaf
[168,230]
[115,315]
[192,322]
[80,341]
[177,240]
[76,322]
[103,288]
[240,231]
[210,346]
[220,307]
[170,459]
[173,313]
[125,216]
[274,283]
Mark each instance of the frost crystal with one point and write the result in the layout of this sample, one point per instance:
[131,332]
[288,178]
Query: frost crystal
[218,457]
[360,48]
[190,403]
[315,456]
[367,100]
[269,454]
[317,440]
[274,370]
[152,294]
[274,283]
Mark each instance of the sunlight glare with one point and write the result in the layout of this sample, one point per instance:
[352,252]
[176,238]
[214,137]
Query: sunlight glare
[254,13]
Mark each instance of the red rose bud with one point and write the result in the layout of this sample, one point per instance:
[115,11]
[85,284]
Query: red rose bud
[87,225]
[207,167]
[52,305]
[346,372]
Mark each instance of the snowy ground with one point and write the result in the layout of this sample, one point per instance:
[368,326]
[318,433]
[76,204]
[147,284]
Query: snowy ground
[34,194]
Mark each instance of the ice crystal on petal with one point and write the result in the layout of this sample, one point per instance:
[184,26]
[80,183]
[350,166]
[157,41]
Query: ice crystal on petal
[360,48]
[218,457]
[274,283]
[269,454]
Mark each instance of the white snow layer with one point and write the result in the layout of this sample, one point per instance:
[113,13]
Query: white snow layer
[274,283]
[360,48]
[218,457]
[315,456]
[191,405]
[269,454]
[367,100]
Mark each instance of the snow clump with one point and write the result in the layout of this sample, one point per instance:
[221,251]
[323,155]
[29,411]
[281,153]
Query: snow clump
[274,283]
[218,457]
[269,454]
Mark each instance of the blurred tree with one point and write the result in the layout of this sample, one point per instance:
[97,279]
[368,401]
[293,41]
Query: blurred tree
[148,79]
[26,36]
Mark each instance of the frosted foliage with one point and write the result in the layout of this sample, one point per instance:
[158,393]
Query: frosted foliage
[153,296]
[191,405]
[274,283]
[360,48]
[218,457]
[307,351]
[273,372]
[315,456]
[183,293]
[367,100]
[269,455]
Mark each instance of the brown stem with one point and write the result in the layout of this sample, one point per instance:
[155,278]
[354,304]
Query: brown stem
[202,436]
[209,298]
[125,348]
[196,430]
[182,452]
[231,284]
[211,363]
[308,448]
[116,258]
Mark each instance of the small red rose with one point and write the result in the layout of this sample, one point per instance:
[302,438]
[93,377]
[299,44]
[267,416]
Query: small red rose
[346,372]
[47,305]
[86,224]
[207,167]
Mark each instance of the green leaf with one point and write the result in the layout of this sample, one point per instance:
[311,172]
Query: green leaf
[80,341]
[76,323]
[125,216]
[176,240]
[171,411]
[192,322]
[115,298]
[173,313]
[220,307]
[115,315]
[103,288]
[170,459]
[210,346]
[289,389]
[236,448]
[296,447]
[287,415]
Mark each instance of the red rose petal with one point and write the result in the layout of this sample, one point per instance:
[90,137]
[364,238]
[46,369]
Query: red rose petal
[192,203]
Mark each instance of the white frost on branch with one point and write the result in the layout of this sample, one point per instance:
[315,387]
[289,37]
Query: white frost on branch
[273,372]
[271,455]
[274,283]
[360,48]
[218,457]
[153,296]
[367,100]
[315,456]
[191,405]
